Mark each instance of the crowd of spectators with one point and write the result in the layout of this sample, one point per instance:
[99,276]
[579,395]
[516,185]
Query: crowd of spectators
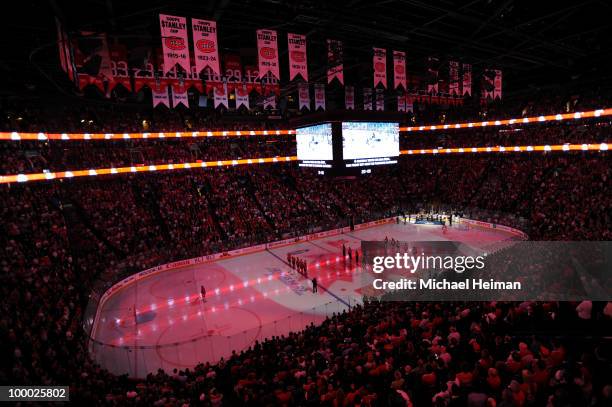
[59,236]
[590,131]
[28,156]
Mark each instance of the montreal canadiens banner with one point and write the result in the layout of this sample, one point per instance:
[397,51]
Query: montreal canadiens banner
[453,78]
[174,42]
[205,47]
[304,96]
[380,67]
[488,84]
[399,69]
[220,95]
[349,98]
[409,104]
[432,75]
[179,96]
[298,63]
[242,96]
[335,67]
[380,99]
[367,98]
[319,91]
[466,88]
[269,102]
[401,103]
[497,91]
[160,95]
[267,53]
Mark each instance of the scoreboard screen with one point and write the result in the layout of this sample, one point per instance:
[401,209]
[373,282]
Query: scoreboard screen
[369,140]
[314,145]
[347,148]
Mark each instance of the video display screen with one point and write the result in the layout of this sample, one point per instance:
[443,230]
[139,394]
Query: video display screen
[314,143]
[369,140]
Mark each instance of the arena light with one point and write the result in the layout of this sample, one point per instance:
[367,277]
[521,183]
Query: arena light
[516,149]
[534,119]
[47,175]
[41,136]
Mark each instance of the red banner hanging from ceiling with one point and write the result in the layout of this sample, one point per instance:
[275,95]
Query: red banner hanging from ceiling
[335,67]
[349,98]
[453,78]
[380,67]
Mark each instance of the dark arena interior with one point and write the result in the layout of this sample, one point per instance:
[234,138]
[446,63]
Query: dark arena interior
[306,203]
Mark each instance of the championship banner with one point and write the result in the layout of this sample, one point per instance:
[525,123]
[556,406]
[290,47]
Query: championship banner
[453,78]
[335,68]
[467,80]
[367,98]
[409,104]
[380,67]
[399,69]
[497,91]
[380,99]
[432,75]
[349,98]
[269,101]
[304,96]
[319,90]
[401,103]
[160,95]
[220,95]
[205,46]
[174,42]
[242,96]
[488,84]
[179,95]
[267,53]
[298,63]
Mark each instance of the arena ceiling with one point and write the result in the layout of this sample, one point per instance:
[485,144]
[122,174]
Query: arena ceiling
[534,42]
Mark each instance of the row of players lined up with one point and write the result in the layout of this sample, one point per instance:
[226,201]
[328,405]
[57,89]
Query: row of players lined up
[426,217]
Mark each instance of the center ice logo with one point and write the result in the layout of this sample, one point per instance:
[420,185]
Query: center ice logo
[290,278]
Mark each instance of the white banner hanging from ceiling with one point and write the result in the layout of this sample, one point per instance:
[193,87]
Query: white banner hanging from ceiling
[267,53]
[174,42]
[242,96]
[205,47]
[298,61]
[304,96]
[399,69]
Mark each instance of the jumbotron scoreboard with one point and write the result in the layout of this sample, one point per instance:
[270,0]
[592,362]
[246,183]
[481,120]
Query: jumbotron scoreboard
[347,147]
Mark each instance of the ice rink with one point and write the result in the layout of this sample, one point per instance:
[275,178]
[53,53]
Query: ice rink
[161,321]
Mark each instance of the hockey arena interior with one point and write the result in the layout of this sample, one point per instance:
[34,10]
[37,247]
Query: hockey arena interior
[199,200]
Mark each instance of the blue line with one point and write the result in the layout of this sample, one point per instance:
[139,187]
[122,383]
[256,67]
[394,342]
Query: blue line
[318,286]
[353,236]
[320,247]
